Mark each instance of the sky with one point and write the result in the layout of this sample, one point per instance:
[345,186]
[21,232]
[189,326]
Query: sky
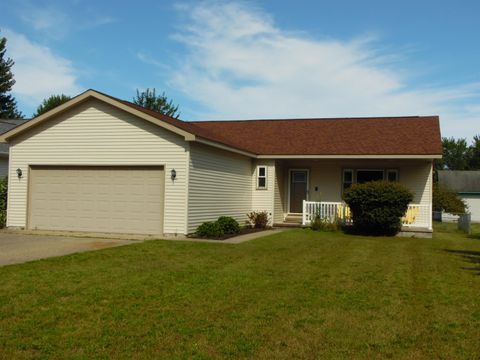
[255,59]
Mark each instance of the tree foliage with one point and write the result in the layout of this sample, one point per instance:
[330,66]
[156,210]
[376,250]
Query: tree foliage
[447,200]
[50,103]
[8,105]
[378,206]
[458,155]
[159,103]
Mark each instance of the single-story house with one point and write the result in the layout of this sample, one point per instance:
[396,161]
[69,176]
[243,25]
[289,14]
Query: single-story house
[101,164]
[467,186]
[6,125]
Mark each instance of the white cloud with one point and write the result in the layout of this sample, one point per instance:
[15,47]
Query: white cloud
[240,64]
[38,72]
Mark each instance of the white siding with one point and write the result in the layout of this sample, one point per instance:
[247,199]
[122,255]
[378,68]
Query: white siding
[418,177]
[95,133]
[3,166]
[263,199]
[280,203]
[219,185]
[473,203]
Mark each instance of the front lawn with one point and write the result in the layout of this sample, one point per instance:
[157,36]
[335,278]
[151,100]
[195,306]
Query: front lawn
[297,294]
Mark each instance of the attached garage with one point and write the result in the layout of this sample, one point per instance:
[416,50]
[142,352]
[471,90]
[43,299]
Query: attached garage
[113,199]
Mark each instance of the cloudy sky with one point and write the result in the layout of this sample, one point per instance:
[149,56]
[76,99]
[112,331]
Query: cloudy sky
[256,59]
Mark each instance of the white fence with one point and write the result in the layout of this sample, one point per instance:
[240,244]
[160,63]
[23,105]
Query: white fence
[417,215]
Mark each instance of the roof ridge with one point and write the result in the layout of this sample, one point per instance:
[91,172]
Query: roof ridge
[321,119]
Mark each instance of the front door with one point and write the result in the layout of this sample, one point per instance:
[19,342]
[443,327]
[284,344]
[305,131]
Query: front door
[298,189]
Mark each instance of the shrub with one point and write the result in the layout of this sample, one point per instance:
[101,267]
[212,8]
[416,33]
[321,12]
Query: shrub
[3,201]
[228,225]
[319,224]
[258,219]
[209,229]
[378,206]
[446,200]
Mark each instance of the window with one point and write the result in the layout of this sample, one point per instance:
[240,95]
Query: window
[261,177]
[347,178]
[392,175]
[364,176]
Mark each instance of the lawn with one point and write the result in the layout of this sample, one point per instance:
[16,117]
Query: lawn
[297,294]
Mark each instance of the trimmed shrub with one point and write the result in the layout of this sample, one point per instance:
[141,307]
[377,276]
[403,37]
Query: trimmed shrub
[258,219]
[209,229]
[446,200]
[228,225]
[378,206]
[3,201]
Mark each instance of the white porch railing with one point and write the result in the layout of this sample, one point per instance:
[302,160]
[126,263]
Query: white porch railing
[417,215]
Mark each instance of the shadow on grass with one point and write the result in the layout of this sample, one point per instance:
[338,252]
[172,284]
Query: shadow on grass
[468,255]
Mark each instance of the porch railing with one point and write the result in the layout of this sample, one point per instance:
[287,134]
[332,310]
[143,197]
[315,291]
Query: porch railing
[417,215]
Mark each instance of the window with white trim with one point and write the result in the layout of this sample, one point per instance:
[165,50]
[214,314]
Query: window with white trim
[261,177]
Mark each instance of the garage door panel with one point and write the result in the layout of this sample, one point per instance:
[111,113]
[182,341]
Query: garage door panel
[103,199]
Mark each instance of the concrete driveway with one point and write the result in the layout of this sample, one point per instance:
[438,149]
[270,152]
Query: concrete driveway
[17,248]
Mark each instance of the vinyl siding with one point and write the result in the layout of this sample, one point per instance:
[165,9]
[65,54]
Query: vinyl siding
[219,185]
[473,203]
[279,196]
[263,199]
[95,133]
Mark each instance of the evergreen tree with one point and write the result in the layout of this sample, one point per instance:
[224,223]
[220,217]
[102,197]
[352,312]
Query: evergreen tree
[51,102]
[8,105]
[474,156]
[149,100]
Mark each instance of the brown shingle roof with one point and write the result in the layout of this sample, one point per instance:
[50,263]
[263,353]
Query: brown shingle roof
[409,135]
[342,136]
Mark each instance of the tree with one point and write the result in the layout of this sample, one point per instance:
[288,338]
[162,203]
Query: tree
[455,154]
[447,200]
[474,156]
[149,99]
[8,105]
[51,102]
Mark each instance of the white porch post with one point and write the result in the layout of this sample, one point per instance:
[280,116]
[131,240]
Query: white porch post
[304,212]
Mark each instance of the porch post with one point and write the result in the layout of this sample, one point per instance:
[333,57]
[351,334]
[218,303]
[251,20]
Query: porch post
[304,212]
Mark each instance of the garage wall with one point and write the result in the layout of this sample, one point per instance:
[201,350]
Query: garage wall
[95,133]
[220,185]
[3,166]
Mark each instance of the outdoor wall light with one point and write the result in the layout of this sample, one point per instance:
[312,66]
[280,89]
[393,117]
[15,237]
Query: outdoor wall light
[173,174]
[19,173]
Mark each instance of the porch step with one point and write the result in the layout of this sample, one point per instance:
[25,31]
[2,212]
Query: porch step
[293,219]
[289,225]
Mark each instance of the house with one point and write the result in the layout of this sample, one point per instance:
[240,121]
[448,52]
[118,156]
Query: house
[467,185]
[101,164]
[5,125]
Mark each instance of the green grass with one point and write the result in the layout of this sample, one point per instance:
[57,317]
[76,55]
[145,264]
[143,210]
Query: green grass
[297,294]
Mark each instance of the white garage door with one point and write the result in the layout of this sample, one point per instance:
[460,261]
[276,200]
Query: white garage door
[97,199]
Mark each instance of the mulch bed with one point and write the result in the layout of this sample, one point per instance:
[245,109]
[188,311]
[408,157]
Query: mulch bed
[243,231]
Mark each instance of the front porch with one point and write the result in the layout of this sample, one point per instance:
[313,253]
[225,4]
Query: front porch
[307,187]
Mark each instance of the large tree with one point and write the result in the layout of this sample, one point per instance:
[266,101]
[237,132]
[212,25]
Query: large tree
[455,154]
[51,102]
[159,103]
[8,105]
[474,155]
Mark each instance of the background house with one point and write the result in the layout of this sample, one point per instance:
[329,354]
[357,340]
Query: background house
[6,125]
[467,185]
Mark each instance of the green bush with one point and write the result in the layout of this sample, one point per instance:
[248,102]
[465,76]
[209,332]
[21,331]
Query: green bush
[210,229]
[3,201]
[319,224]
[258,219]
[378,206]
[229,225]
[446,200]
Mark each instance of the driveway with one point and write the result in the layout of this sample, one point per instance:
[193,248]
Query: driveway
[18,248]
